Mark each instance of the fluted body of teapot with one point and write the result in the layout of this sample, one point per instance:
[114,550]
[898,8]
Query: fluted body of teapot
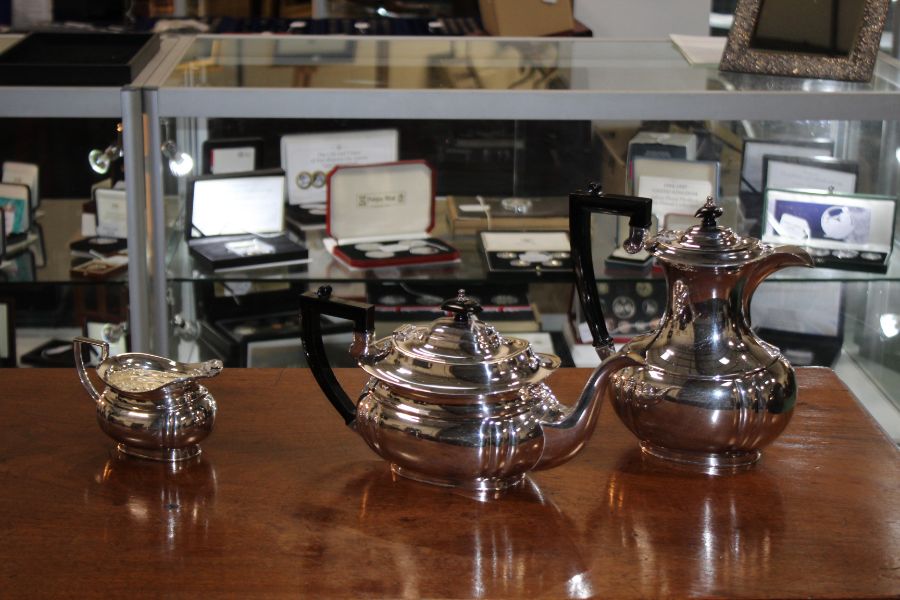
[702,388]
[454,403]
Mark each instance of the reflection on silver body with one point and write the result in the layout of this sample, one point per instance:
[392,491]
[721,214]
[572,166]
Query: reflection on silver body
[154,407]
[703,389]
[457,404]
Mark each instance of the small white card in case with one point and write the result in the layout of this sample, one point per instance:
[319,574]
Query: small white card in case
[308,158]
[238,205]
[112,215]
[24,173]
[232,160]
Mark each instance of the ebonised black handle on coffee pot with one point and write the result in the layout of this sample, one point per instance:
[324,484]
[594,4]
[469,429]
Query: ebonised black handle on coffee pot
[581,205]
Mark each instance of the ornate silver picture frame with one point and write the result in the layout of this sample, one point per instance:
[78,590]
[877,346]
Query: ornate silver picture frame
[772,37]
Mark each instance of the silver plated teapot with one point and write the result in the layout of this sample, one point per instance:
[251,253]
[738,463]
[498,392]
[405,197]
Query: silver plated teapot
[152,406]
[702,389]
[453,403]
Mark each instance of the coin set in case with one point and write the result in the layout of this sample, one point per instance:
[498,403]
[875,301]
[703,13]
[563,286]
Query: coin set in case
[236,221]
[419,302]
[307,158]
[380,215]
[840,231]
[537,253]
[630,308]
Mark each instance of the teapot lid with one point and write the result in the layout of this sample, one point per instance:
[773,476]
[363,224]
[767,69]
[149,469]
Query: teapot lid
[459,355]
[707,244]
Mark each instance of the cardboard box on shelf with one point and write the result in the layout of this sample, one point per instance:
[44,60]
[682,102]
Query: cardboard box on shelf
[526,17]
[613,171]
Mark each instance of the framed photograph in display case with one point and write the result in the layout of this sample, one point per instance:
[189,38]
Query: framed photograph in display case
[840,231]
[806,38]
[7,333]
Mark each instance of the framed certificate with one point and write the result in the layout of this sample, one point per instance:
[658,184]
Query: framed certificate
[676,186]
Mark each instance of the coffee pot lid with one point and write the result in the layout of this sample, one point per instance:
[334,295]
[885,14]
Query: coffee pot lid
[707,244]
[459,355]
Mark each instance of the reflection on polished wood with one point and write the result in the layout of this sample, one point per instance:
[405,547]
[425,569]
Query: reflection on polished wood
[286,501]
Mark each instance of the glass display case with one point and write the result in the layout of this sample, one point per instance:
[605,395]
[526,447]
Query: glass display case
[54,127]
[509,127]
[526,119]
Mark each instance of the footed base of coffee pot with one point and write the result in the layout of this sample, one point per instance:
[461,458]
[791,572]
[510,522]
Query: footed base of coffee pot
[706,461]
[479,484]
[163,454]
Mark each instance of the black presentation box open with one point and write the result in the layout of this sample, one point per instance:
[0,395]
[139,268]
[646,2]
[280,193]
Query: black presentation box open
[88,59]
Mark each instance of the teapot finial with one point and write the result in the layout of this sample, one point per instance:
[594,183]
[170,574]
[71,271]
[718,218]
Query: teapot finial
[709,212]
[462,306]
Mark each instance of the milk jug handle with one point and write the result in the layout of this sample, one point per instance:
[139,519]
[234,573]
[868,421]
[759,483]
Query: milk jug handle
[79,362]
[581,206]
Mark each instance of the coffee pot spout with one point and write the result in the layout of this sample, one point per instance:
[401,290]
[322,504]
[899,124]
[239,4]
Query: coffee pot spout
[781,258]
[567,431]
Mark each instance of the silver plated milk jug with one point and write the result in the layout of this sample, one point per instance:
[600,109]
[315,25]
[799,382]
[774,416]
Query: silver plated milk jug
[152,406]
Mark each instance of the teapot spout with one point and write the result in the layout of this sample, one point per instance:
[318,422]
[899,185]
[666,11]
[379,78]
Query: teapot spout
[782,257]
[566,433]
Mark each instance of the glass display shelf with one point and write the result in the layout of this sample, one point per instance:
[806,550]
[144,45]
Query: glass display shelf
[491,78]
[323,267]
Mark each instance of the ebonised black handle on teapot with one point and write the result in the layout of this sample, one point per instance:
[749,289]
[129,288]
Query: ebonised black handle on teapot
[312,306]
[581,205]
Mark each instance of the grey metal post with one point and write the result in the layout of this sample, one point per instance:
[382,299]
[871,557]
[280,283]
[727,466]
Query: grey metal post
[136,199]
[895,31]
[159,310]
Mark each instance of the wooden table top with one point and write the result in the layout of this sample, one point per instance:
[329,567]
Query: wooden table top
[287,501]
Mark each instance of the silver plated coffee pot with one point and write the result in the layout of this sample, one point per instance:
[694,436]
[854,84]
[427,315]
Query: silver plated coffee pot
[702,389]
[453,403]
[152,406]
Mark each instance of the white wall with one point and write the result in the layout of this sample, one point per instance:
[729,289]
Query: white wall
[644,18]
